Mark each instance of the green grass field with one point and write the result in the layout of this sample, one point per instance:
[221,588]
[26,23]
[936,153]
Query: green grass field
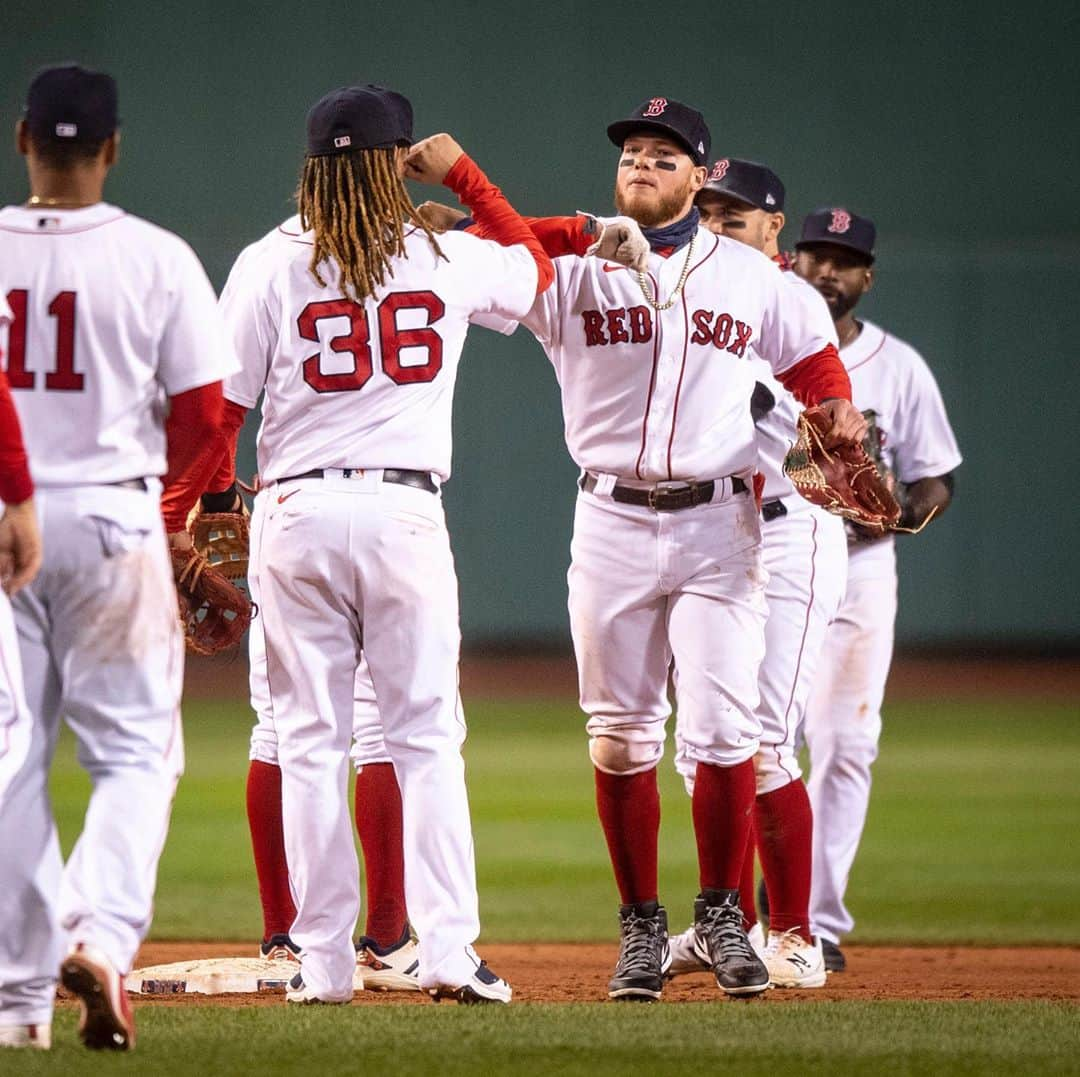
[971,839]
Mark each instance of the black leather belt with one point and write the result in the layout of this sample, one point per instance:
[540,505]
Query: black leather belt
[773,510]
[664,498]
[131,484]
[421,480]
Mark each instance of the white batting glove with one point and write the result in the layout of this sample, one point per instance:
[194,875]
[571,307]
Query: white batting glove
[619,239]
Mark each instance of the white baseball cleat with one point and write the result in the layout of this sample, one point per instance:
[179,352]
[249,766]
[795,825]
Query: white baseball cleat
[393,968]
[299,992]
[36,1037]
[279,948]
[482,986]
[106,1021]
[684,954]
[794,962]
[756,935]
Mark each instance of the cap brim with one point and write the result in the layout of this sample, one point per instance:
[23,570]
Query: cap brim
[714,187]
[832,242]
[619,131]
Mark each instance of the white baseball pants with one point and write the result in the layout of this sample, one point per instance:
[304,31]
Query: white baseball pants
[368,745]
[101,649]
[646,587]
[842,729]
[805,555]
[344,563]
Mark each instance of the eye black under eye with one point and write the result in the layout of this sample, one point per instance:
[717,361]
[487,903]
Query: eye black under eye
[667,166]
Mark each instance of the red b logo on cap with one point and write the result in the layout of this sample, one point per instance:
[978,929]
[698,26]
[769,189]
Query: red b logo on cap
[841,221]
[719,170]
[656,106]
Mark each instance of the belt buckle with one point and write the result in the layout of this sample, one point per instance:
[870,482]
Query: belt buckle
[682,493]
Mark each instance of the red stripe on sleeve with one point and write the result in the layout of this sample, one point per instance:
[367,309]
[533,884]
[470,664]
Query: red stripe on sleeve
[499,219]
[15,482]
[818,377]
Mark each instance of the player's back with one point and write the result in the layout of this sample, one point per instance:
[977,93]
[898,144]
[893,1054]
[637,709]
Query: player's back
[361,384]
[111,315]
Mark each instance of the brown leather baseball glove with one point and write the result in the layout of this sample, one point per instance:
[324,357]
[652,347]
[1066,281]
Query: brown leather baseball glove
[215,613]
[842,480]
[223,539]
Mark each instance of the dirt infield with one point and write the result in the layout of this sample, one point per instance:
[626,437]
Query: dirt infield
[555,677]
[576,972]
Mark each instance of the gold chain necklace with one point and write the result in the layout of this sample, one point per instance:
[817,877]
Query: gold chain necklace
[56,203]
[653,300]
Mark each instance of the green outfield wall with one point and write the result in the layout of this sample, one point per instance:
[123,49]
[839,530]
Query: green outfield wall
[954,125]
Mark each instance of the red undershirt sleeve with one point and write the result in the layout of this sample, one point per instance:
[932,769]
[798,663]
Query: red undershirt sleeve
[557,235]
[225,476]
[499,219]
[818,377]
[192,435]
[15,483]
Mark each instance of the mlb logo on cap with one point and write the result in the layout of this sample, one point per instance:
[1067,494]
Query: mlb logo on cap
[342,140]
[72,103]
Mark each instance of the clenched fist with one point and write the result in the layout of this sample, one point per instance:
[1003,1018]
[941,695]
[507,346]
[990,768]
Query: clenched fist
[430,159]
[620,240]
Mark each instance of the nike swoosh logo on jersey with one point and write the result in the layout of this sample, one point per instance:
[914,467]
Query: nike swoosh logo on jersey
[610,269]
[282,498]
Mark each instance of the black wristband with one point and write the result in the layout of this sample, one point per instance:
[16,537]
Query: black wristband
[225,501]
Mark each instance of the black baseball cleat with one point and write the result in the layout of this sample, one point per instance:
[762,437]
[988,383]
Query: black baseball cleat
[644,956]
[720,934]
[834,956]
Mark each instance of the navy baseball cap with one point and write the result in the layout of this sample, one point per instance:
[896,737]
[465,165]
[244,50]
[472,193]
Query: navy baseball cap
[840,227]
[748,182]
[367,117]
[667,117]
[70,103]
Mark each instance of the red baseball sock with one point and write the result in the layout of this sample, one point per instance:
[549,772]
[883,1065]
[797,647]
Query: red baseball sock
[722,805]
[378,822]
[268,845]
[629,810]
[783,824]
[747,897]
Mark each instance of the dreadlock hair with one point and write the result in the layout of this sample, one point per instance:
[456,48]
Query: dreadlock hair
[357,206]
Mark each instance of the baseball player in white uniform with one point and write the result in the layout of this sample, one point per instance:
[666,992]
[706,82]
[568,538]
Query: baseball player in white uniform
[114,320]
[351,551]
[20,559]
[655,369]
[910,433]
[805,554]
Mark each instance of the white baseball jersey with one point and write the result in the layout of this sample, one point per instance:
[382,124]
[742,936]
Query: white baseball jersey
[312,350]
[892,381]
[5,314]
[664,395]
[777,430]
[112,315]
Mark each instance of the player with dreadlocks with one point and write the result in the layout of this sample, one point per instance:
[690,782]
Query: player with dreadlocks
[358,211]
[349,320]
